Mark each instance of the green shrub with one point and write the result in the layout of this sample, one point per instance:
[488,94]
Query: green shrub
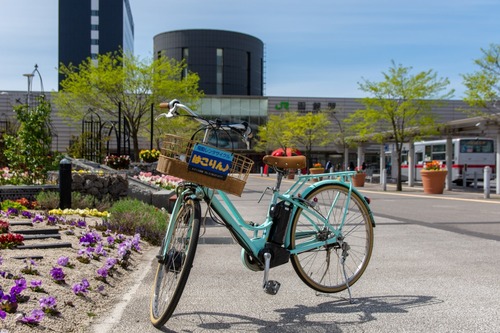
[48,199]
[131,216]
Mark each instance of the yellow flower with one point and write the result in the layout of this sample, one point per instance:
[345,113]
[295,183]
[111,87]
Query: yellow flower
[434,166]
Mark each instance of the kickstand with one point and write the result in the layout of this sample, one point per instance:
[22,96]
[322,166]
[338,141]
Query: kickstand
[345,247]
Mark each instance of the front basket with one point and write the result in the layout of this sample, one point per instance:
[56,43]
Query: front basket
[175,154]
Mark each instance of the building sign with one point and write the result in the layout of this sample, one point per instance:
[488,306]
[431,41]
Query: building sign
[282,105]
[210,161]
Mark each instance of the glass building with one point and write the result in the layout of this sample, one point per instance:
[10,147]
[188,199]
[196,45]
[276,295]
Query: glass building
[91,27]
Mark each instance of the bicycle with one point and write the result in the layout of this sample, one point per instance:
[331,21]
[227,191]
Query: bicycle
[325,228]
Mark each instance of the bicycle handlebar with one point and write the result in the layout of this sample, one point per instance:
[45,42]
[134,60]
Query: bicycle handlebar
[243,128]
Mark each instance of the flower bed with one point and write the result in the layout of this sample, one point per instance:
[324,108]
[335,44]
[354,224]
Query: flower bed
[63,289]
[163,181]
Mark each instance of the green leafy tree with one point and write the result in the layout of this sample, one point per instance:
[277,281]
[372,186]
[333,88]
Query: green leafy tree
[309,130]
[483,86]
[28,153]
[123,79]
[293,130]
[400,108]
[276,132]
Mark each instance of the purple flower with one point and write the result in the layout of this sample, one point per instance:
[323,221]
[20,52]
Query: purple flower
[81,223]
[63,261]
[81,288]
[34,319]
[57,274]
[99,250]
[47,303]
[111,262]
[51,220]
[36,285]
[90,238]
[2,314]
[26,214]
[102,272]
[12,211]
[110,240]
[37,218]
[1,260]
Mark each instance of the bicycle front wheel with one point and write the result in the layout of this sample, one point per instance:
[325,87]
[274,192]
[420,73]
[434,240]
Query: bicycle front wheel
[321,268]
[174,265]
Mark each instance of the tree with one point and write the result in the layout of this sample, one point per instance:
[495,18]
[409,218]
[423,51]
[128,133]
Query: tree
[400,107]
[123,79]
[275,133]
[310,130]
[28,153]
[483,86]
[292,130]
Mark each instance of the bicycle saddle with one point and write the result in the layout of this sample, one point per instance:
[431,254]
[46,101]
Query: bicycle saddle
[285,162]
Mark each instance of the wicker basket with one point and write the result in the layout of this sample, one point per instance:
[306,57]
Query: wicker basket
[175,154]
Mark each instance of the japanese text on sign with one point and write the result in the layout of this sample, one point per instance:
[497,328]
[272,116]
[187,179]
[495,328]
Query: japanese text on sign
[210,161]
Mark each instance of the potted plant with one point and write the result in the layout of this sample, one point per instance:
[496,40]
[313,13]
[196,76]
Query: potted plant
[433,177]
[358,180]
[317,169]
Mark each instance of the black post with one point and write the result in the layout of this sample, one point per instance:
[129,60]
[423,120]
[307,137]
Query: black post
[65,183]
[119,143]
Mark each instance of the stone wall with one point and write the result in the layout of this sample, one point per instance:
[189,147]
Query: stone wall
[116,185]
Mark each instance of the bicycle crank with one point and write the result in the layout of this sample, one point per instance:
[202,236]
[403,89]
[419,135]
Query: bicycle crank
[271,287]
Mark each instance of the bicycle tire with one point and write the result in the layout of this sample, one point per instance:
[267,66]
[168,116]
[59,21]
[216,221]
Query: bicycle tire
[321,268]
[173,270]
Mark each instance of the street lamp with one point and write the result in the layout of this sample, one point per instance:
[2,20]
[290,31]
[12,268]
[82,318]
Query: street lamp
[30,76]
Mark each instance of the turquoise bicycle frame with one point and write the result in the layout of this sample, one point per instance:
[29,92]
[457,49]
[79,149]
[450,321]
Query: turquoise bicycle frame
[235,223]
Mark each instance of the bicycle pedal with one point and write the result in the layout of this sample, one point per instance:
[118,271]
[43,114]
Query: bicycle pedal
[160,258]
[272,287]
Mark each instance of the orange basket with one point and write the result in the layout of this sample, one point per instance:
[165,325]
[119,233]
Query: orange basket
[174,160]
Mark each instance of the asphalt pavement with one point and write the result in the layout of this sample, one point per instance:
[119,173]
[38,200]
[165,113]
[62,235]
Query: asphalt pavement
[435,268]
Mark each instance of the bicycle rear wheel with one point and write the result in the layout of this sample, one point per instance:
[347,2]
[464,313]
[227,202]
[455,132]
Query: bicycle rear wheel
[174,267]
[321,268]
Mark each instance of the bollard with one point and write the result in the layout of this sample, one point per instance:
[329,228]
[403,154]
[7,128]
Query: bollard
[487,175]
[383,179]
[65,183]
[261,171]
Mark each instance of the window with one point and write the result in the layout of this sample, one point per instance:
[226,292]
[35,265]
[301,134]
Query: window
[332,105]
[476,146]
[301,106]
[219,71]
[185,57]
[316,106]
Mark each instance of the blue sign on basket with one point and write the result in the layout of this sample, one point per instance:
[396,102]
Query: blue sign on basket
[210,161]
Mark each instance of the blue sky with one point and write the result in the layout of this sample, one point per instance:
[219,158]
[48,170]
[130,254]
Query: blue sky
[313,48]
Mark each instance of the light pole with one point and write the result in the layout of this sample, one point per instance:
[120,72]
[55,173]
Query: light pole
[29,76]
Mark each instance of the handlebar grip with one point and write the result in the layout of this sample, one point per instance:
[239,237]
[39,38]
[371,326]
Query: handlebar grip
[164,105]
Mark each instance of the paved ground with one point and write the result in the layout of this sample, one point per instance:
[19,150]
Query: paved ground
[435,268]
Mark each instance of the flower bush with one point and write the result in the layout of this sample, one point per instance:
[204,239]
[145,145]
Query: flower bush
[434,166]
[359,170]
[117,162]
[4,227]
[163,181]
[149,155]
[9,241]
[317,165]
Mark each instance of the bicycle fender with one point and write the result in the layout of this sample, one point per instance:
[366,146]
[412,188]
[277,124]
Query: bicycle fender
[322,183]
